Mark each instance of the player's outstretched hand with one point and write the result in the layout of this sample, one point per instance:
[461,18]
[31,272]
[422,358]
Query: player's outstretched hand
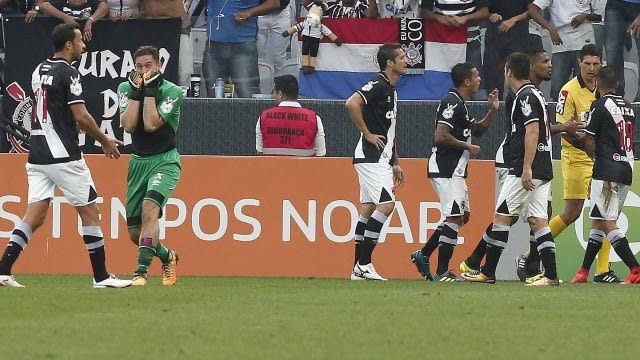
[377,140]
[571,127]
[398,175]
[110,148]
[493,100]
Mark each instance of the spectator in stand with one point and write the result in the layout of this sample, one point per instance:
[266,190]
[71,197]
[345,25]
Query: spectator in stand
[18,7]
[288,128]
[534,42]
[299,5]
[357,9]
[621,19]
[507,32]
[456,13]
[123,10]
[197,12]
[272,47]
[72,11]
[231,50]
[399,9]
[165,9]
[597,7]
[570,29]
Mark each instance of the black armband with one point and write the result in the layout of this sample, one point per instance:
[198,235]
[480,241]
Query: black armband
[149,92]
[136,95]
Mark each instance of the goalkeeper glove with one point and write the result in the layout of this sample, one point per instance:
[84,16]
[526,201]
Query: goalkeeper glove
[136,80]
[152,80]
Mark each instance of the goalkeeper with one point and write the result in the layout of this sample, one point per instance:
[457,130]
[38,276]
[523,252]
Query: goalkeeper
[150,112]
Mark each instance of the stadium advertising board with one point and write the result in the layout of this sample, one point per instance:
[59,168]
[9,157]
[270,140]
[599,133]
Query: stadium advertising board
[275,216]
[250,216]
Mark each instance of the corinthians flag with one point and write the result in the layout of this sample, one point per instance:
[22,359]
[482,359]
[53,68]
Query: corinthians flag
[431,50]
[105,63]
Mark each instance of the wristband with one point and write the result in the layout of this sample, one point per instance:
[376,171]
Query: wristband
[136,95]
[149,92]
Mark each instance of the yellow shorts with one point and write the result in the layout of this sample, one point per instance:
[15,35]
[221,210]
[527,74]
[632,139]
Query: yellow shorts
[576,176]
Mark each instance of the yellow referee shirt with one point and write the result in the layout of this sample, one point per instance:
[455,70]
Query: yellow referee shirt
[574,102]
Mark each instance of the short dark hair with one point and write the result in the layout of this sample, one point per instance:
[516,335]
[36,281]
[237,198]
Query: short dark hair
[386,52]
[287,84]
[535,53]
[518,63]
[607,78]
[590,50]
[147,50]
[63,33]
[461,72]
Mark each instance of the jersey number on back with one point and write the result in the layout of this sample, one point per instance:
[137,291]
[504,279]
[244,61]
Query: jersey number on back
[40,113]
[625,129]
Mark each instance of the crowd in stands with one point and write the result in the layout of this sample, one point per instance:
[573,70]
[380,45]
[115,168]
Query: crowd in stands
[242,32]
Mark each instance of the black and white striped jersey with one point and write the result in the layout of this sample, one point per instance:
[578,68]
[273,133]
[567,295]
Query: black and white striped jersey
[458,8]
[445,161]
[528,107]
[379,112]
[336,9]
[54,137]
[503,154]
[611,122]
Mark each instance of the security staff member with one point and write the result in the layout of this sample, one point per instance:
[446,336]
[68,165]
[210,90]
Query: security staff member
[288,128]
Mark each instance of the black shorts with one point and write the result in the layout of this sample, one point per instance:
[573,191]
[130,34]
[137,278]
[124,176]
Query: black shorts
[310,46]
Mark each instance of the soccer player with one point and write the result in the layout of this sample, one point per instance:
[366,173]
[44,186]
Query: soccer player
[574,102]
[373,110]
[150,112]
[55,159]
[447,167]
[539,70]
[526,189]
[608,139]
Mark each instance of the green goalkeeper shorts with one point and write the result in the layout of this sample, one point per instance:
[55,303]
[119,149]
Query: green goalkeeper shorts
[150,178]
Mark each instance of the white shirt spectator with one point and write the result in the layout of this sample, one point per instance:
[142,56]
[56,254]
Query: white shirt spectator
[562,11]
[399,9]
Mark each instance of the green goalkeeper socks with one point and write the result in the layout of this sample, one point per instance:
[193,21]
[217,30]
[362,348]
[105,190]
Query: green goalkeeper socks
[146,252]
[162,252]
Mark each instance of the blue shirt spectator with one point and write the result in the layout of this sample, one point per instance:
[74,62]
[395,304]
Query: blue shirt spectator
[223,26]
[621,19]
[231,52]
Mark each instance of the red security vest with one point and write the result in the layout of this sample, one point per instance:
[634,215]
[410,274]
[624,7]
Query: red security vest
[288,130]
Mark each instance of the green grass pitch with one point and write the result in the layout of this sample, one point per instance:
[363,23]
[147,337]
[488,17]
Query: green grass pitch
[62,317]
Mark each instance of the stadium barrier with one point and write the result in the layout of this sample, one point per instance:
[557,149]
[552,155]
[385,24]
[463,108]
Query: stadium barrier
[277,216]
[246,216]
[227,127]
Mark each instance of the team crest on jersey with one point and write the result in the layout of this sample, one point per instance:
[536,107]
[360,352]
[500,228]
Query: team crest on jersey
[448,112]
[21,117]
[167,105]
[562,100]
[75,87]
[525,106]
[157,179]
[123,100]
[368,86]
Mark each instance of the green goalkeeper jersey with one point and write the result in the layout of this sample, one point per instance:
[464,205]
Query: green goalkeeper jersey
[168,102]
